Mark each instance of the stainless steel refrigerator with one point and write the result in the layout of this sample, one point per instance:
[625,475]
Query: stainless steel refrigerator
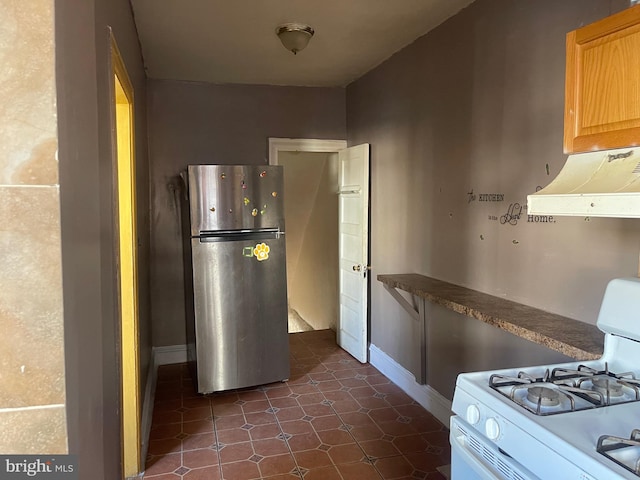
[235,273]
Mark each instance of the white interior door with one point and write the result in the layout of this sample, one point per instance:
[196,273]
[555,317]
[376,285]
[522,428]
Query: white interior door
[353,234]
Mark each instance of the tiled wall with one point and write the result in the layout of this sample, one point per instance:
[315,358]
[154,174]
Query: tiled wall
[32,392]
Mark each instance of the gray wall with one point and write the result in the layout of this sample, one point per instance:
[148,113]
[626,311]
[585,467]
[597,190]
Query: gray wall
[87,222]
[460,344]
[195,123]
[476,106]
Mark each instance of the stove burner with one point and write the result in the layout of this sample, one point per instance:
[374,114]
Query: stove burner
[613,388]
[567,389]
[608,386]
[543,396]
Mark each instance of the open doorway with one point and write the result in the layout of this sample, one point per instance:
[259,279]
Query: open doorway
[311,212]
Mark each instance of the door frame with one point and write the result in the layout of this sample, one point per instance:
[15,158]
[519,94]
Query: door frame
[125,235]
[306,145]
[277,145]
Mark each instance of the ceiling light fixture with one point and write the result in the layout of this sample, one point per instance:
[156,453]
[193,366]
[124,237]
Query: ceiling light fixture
[294,36]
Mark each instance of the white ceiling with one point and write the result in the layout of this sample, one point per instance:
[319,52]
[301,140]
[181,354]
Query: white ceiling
[234,41]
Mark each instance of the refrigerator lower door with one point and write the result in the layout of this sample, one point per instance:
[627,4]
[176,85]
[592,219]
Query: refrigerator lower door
[240,303]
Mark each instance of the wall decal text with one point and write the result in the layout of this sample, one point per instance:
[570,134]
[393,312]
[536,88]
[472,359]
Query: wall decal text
[491,197]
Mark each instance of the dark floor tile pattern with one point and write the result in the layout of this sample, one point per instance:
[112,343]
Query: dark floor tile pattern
[334,419]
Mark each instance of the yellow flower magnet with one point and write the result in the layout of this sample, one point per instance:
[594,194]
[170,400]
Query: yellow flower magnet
[261,251]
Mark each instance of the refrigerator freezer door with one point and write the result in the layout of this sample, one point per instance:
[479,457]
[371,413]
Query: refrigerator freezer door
[240,302]
[235,197]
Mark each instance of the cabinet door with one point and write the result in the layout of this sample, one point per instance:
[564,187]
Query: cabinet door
[602,92]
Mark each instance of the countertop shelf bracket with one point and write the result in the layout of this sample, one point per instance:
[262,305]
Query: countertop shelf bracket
[417,314]
[411,309]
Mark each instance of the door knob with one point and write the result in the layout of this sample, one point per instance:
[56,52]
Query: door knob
[357,268]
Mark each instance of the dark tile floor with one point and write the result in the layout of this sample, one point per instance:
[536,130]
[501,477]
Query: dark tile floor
[335,419]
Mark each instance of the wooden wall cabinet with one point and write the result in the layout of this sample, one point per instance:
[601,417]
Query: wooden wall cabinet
[602,90]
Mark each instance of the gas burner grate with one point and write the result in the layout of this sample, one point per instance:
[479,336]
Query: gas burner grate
[566,374]
[614,390]
[536,397]
[623,451]
[567,390]
[496,380]
[615,387]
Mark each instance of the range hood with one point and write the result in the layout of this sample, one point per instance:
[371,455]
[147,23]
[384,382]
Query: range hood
[593,184]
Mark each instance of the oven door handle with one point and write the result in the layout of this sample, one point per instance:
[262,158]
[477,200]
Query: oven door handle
[467,456]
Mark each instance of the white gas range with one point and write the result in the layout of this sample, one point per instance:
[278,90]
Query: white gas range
[572,421]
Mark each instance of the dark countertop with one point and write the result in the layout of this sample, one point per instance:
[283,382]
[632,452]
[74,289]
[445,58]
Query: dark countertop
[570,337]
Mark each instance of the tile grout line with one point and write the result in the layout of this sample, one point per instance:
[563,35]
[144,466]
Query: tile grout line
[215,437]
[319,359]
[182,422]
[250,438]
[315,385]
[284,436]
[364,454]
[184,379]
[389,405]
[31,407]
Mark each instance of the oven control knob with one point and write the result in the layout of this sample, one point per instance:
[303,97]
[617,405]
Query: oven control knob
[473,414]
[492,428]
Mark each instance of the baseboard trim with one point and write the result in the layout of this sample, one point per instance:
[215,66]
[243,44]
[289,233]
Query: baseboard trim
[170,354]
[432,401]
[147,406]
[159,356]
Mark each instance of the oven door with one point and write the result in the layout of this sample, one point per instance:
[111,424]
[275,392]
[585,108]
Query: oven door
[473,457]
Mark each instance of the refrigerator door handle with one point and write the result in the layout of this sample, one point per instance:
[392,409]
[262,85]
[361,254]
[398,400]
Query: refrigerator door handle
[240,235]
